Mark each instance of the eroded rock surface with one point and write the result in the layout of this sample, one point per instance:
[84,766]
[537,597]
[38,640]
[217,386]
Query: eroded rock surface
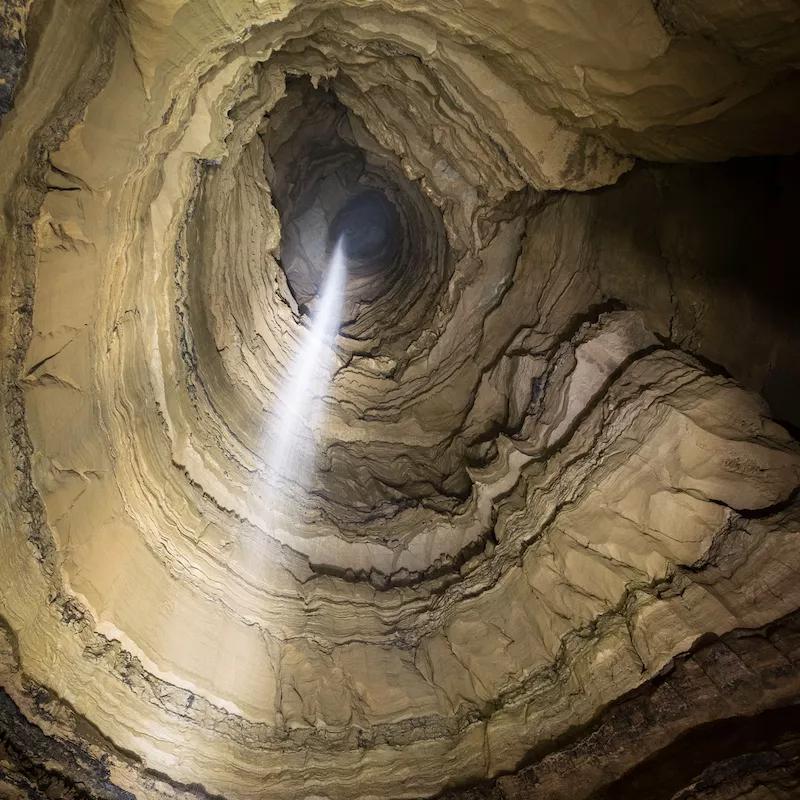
[545,532]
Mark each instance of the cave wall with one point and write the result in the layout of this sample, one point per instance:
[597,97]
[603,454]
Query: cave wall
[712,265]
[549,540]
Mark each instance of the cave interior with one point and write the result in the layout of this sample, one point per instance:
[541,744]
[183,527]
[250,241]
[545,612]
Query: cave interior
[399,400]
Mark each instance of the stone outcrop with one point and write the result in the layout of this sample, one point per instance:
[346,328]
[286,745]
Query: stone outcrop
[542,535]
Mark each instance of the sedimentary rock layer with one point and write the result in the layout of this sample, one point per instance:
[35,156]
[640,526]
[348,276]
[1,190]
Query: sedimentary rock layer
[543,461]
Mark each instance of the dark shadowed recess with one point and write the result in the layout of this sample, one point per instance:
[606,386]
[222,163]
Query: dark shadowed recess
[708,253]
[369,225]
[715,723]
[328,178]
[718,756]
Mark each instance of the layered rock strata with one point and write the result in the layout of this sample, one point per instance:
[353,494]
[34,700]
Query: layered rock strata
[542,473]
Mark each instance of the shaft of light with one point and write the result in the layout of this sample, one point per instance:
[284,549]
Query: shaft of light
[291,453]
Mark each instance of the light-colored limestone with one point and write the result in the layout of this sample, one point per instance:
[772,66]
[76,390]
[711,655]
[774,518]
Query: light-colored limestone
[528,504]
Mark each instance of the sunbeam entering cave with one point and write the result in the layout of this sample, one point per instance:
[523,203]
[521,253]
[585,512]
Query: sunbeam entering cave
[290,446]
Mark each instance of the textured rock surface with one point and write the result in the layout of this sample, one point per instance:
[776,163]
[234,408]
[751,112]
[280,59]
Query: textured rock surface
[547,472]
[12,47]
[730,703]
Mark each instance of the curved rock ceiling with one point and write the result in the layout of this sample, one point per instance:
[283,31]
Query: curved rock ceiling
[537,471]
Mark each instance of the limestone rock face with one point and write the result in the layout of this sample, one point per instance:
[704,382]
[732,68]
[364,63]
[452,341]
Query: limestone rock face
[526,507]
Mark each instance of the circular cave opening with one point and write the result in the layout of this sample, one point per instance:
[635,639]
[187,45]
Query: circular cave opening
[371,229]
[330,178]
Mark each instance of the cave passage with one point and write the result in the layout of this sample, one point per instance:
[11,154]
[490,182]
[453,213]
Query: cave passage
[399,400]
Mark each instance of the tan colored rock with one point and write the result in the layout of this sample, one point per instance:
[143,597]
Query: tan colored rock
[524,488]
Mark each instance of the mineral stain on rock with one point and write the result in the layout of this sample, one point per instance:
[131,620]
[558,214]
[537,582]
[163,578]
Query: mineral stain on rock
[12,48]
